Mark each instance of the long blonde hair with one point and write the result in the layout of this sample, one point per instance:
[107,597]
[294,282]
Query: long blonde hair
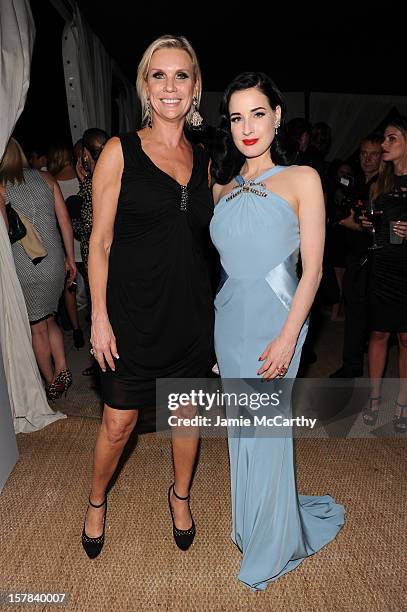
[167,41]
[13,163]
[385,181]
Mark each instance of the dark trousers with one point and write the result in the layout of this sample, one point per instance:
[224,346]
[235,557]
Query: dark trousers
[355,298]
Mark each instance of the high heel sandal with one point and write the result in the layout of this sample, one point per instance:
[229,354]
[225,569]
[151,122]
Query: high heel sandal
[54,390]
[183,537]
[93,546]
[64,379]
[399,420]
[370,416]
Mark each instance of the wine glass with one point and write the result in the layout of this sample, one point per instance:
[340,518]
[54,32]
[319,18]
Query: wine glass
[375,217]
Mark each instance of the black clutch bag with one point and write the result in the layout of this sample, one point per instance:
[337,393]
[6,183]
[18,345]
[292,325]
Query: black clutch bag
[16,228]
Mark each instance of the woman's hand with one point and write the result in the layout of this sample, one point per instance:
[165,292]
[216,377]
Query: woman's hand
[365,223]
[103,343]
[70,271]
[350,223]
[400,229]
[277,357]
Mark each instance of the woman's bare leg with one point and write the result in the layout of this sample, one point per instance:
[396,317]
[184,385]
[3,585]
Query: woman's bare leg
[112,437]
[42,350]
[402,396]
[377,354]
[185,443]
[71,308]
[56,341]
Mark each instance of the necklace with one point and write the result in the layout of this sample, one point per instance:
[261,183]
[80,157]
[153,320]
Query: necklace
[248,186]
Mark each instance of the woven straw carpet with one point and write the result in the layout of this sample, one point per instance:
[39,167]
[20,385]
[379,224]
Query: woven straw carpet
[43,503]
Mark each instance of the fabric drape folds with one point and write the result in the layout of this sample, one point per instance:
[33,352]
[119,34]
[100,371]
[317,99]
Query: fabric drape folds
[28,401]
[17,33]
[88,77]
[351,117]
[29,407]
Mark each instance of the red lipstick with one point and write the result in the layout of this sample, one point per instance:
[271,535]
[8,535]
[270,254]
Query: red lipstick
[250,142]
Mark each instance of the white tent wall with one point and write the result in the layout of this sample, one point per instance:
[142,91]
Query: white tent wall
[89,73]
[17,33]
[23,402]
[351,117]
[88,77]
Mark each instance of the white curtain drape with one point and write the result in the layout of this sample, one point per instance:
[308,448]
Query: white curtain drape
[29,407]
[17,33]
[88,77]
[351,117]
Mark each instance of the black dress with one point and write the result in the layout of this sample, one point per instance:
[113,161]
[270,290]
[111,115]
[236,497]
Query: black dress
[388,273]
[159,297]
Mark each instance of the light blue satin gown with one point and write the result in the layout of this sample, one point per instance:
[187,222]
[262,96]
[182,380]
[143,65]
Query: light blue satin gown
[257,235]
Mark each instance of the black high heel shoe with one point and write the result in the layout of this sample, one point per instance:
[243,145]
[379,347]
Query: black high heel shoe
[183,537]
[64,379]
[93,546]
[370,416]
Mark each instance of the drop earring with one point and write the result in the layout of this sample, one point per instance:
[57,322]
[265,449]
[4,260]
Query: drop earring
[196,119]
[149,114]
[277,125]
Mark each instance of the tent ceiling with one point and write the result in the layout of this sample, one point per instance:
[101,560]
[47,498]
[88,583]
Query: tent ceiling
[330,50]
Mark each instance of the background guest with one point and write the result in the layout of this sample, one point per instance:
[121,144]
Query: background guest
[60,165]
[38,157]
[356,272]
[37,196]
[388,272]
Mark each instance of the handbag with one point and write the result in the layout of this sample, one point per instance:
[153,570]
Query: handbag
[32,243]
[16,228]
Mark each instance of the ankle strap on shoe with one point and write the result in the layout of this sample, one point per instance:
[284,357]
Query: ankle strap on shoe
[97,505]
[177,496]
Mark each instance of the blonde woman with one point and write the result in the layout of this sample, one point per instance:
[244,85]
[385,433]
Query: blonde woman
[151,297]
[387,308]
[37,196]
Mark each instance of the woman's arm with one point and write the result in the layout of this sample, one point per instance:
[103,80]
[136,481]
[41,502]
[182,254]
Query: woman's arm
[105,193]
[311,213]
[65,225]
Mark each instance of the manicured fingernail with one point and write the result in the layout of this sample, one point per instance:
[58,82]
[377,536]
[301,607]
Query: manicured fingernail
[117,356]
